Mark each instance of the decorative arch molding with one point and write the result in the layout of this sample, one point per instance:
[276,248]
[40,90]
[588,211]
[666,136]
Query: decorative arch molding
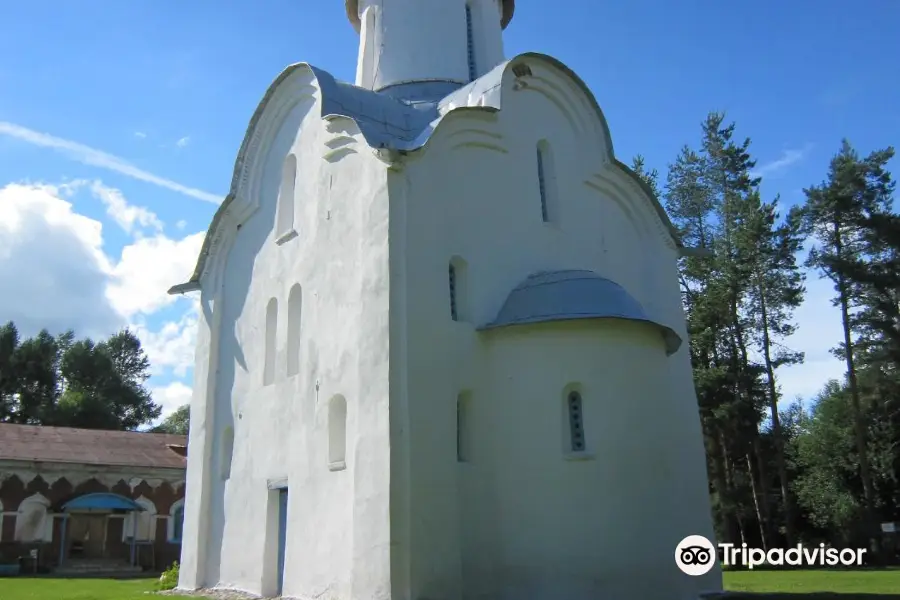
[146,522]
[33,521]
[632,203]
[296,84]
[486,136]
[173,529]
[628,186]
[75,480]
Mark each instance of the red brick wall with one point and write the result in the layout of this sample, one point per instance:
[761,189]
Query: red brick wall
[13,491]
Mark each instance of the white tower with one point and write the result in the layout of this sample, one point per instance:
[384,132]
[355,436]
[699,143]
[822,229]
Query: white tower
[407,41]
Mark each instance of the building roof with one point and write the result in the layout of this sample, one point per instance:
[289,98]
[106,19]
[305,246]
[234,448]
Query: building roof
[400,119]
[33,443]
[567,295]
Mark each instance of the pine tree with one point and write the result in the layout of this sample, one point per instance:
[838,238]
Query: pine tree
[651,177]
[836,214]
[776,290]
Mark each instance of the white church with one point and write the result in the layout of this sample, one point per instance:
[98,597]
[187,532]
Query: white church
[442,352]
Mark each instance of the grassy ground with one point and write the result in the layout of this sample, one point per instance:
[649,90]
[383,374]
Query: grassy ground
[26,588]
[787,585]
[818,585]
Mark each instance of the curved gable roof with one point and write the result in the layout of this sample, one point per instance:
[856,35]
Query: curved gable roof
[571,295]
[397,124]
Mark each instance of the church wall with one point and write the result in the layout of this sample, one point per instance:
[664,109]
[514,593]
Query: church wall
[438,32]
[535,511]
[271,429]
[473,193]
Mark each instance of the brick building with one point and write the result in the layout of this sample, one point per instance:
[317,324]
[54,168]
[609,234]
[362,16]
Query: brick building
[89,499]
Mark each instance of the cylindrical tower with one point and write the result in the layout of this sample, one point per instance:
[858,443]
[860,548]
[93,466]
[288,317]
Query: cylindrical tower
[406,41]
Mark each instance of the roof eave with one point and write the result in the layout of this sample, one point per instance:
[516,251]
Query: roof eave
[184,288]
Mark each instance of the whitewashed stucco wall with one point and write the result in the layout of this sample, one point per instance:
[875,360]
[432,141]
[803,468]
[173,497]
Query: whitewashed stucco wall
[473,193]
[339,257]
[414,40]
[405,520]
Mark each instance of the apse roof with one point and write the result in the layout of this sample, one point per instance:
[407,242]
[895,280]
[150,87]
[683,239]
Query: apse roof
[569,295]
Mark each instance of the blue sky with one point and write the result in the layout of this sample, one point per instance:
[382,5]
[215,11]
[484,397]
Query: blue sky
[120,121]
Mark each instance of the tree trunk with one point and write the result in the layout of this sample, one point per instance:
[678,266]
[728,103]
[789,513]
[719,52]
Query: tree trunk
[764,490]
[786,500]
[860,426]
[759,513]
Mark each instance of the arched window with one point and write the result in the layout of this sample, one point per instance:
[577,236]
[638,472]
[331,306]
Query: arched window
[546,173]
[271,333]
[140,525]
[295,306]
[457,277]
[176,522]
[284,218]
[33,523]
[470,44]
[576,421]
[227,452]
[337,433]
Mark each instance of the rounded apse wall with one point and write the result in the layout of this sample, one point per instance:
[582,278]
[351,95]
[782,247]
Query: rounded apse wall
[538,511]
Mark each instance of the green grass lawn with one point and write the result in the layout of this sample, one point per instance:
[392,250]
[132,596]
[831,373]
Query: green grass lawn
[815,585]
[797,585]
[44,588]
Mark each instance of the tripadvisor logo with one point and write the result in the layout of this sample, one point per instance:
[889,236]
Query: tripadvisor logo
[695,555]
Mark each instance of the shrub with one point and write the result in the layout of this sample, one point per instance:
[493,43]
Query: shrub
[169,579]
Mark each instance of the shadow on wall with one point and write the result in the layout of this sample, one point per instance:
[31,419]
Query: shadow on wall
[237,274]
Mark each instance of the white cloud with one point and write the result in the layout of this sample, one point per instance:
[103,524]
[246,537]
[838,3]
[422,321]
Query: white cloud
[147,269]
[123,213]
[172,346]
[98,158]
[52,265]
[171,397]
[183,142]
[787,158]
[181,224]
[57,275]
[140,135]
[819,330]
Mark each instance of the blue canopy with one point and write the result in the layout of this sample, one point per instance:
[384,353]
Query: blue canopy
[102,502]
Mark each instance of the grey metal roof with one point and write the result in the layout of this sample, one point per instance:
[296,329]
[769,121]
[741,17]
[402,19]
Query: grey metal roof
[402,118]
[569,295]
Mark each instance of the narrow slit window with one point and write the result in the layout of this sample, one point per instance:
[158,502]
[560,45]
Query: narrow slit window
[227,453]
[287,197]
[295,310]
[453,289]
[271,333]
[470,44]
[576,422]
[337,433]
[542,184]
[547,184]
